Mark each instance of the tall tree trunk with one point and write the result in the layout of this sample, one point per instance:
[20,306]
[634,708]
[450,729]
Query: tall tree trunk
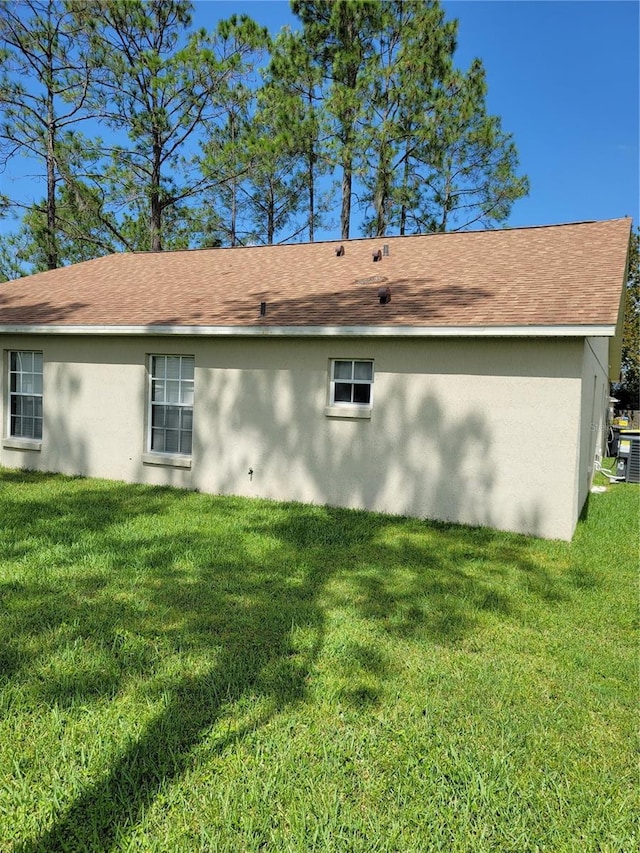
[381,223]
[233,212]
[52,247]
[270,219]
[345,214]
[383,189]
[155,219]
[311,189]
[446,202]
[51,240]
[311,171]
[405,190]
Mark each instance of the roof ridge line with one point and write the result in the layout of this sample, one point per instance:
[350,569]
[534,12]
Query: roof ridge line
[339,240]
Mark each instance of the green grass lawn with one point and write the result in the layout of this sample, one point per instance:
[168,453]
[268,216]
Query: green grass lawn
[182,672]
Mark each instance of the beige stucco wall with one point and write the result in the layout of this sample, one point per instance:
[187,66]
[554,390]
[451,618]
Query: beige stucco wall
[593,412]
[479,431]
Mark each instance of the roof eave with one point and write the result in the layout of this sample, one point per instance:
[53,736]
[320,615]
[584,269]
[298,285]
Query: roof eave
[527,331]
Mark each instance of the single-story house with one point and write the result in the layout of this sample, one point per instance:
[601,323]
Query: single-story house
[460,376]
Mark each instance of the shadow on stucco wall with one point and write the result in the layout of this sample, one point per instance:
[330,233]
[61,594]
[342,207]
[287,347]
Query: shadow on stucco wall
[65,426]
[65,439]
[259,407]
[417,455]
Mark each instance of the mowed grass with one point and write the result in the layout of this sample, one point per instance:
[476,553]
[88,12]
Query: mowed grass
[181,672]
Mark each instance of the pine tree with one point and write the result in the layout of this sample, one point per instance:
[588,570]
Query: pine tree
[275,183]
[435,159]
[295,83]
[628,390]
[43,89]
[409,131]
[339,35]
[467,164]
[160,87]
[411,56]
[226,152]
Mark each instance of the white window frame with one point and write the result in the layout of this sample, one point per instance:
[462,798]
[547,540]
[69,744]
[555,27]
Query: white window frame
[351,408]
[25,383]
[178,394]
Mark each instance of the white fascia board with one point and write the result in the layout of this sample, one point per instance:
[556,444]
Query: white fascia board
[323,331]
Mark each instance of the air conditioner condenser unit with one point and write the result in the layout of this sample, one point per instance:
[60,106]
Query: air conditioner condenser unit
[628,461]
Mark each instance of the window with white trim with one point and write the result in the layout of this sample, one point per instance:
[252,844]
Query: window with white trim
[351,382]
[25,394]
[171,402]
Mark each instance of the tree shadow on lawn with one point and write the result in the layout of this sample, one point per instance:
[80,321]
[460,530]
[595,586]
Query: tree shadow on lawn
[231,586]
[228,596]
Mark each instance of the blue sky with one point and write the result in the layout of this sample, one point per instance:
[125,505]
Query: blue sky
[563,76]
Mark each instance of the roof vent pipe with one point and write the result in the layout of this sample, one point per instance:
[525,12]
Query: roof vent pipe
[384,295]
[377,256]
[340,252]
[385,249]
[263,309]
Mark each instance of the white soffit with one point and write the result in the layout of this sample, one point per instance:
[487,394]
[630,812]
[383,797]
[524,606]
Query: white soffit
[321,331]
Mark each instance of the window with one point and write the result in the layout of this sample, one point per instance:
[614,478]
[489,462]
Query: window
[171,403]
[351,382]
[25,392]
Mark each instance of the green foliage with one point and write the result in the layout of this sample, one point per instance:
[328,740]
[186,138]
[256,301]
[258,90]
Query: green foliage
[160,85]
[339,37]
[43,84]
[189,672]
[628,391]
[274,184]
[470,164]
[227,159]
[432,159]
[294,81]
[80,234]
[151,135]
[11,255]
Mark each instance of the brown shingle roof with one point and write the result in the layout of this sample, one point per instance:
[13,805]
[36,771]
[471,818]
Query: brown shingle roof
[546,276]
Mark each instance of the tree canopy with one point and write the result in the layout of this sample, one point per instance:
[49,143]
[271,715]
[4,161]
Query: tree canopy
[628,390]
[147,133]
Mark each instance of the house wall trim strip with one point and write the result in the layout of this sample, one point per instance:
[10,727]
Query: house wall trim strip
[319,331]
